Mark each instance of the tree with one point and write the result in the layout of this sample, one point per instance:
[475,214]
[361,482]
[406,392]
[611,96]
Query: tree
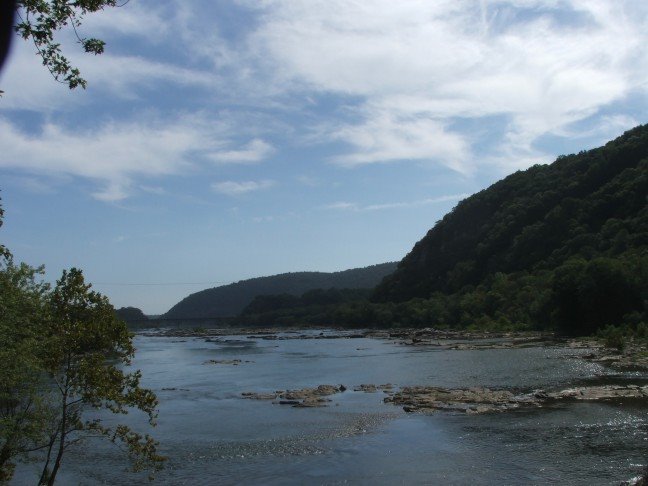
[86,342]
[41,20]
[588,295]
[23,411]
[4,253]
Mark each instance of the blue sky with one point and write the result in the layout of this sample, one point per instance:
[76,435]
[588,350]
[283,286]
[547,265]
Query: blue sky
[223,140]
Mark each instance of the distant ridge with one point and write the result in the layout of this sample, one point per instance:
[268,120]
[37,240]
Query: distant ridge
[230,300]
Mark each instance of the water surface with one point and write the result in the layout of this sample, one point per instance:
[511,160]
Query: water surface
[213,436]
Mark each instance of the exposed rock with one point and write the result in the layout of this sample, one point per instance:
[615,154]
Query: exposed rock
[633,357]
[259,396]
[484,400]
[304,393]
[312,402]
[373,388]
[471,400]
[305,397]
[607,392]
[234,362]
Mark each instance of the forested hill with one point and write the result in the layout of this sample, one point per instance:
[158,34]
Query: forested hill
[131,314]
[229,300]
[590,205]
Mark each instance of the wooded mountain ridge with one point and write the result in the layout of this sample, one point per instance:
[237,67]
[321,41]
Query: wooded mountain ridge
[562,246]
[230,300]
[590,204]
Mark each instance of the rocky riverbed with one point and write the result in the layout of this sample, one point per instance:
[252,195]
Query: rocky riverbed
[484,400]
[469,400]
[574,428]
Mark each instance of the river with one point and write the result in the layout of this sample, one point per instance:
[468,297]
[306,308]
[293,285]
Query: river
[213,436]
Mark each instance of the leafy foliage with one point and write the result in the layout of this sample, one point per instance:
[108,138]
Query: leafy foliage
[23,411]
[41,20]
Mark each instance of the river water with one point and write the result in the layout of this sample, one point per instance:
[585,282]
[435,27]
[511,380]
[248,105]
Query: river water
[213,436]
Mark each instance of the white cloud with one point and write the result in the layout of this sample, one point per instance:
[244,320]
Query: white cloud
[232,188]
[114,154]
[254,151]
[412,204]
[34,185]
[29,86]
[386,137]
[415,66]
[139,19]
[159,191]
[349,206]
[113,191]
[403,76]
[343,205]
[129,74]
[605,127]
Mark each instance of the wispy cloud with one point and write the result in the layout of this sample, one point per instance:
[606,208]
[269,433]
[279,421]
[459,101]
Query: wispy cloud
[147,21]
[159,191]
[130,74]
[254,151]
[233,188]
[28,85]
[342,205]
[113,154]
[35,185]
[387,137]
[402,81]
[350,206]
[414,67]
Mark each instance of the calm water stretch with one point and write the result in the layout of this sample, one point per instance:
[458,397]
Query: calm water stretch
[213,436]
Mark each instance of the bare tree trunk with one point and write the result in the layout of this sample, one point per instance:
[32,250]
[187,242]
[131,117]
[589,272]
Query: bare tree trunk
[45,473]
[49,477]
[59,455]
[62,436]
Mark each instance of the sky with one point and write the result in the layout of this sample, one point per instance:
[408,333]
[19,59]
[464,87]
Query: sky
[223,140]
